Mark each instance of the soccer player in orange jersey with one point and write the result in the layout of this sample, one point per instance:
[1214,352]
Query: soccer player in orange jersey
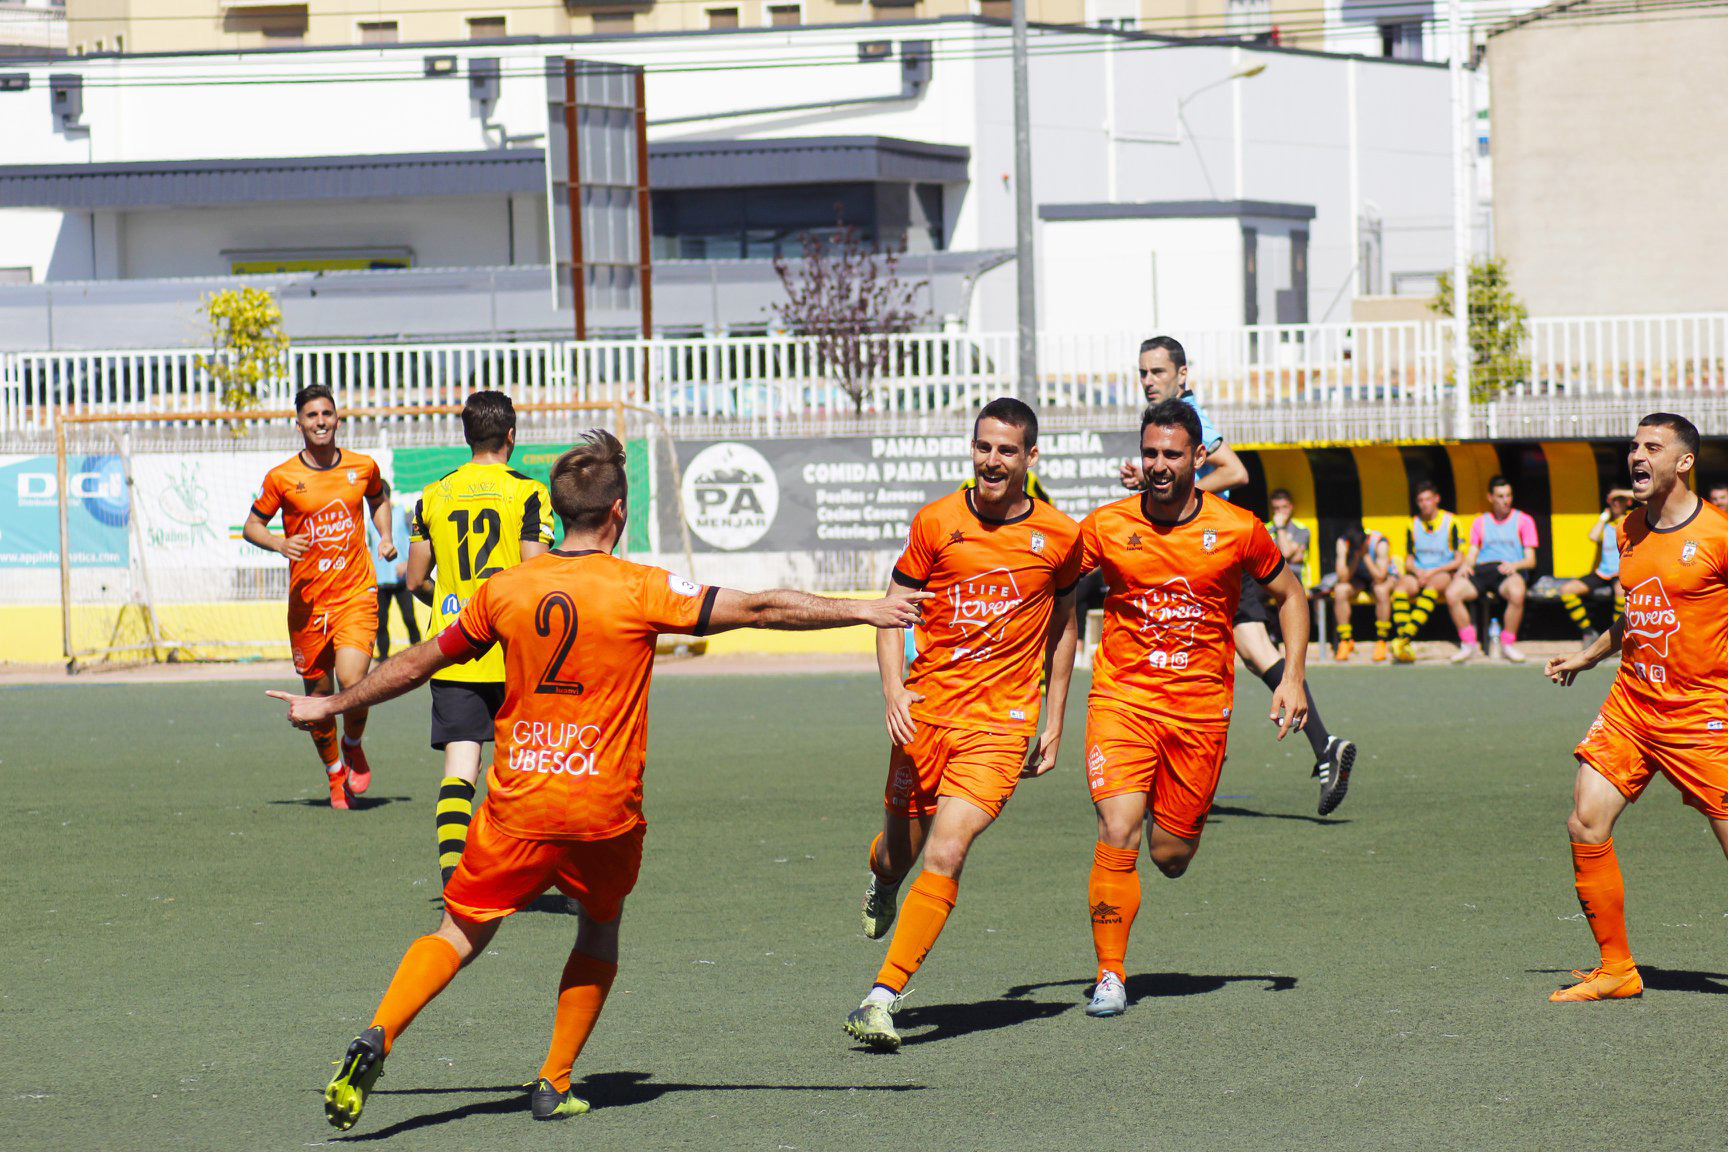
[564,802]
[1162,683]
[1668,709]
[332,597]
[1001,567]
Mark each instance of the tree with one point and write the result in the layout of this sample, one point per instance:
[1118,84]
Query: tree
[849,296]
[250,347]
[1497,328]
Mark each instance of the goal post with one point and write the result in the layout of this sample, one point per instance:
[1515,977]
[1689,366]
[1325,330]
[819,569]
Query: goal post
[152,565]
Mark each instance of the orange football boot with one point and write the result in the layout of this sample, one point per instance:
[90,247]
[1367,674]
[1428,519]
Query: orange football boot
[1601,984]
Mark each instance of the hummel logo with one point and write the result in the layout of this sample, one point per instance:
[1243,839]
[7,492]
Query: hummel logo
[1103,913]
[1134,542]
[956,537]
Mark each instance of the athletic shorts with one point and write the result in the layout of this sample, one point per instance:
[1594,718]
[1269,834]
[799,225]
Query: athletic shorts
[1361,578]
[1488,578]
[1596,582]
[1629,759]
[463,710]
[315,636]
[1175,767]
[979,767]
[500,873]
[1253,607]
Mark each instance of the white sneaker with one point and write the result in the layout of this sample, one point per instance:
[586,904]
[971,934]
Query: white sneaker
[1510,651]
[879,907]
[1109,997]
[1464,653]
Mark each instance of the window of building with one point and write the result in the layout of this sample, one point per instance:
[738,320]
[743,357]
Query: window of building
[785,15]
[760,223]
[17,275]
[378,32]
[722,18]
[1401,41]
[614,23]
[996,9]
[280,27]
[486,28]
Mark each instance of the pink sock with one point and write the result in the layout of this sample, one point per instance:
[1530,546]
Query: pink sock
[1467,636]
[1508,638]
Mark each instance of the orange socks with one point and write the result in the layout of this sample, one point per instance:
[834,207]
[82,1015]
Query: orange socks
[876,862]
[922,915]
[1114,894]
[581,994]
[324,739]
[426,969]
[1602,895]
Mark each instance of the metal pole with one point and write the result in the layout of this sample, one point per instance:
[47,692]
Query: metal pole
[1025,272]
[65,541]
[1461,352]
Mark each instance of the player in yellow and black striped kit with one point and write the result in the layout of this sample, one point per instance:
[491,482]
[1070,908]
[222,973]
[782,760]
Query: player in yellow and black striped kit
[473,523]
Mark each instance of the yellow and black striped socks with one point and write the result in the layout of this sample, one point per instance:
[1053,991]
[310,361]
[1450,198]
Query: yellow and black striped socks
[1575,609]
[1400,612]
[455,810]
[1419,613]
[1382,629]
[1346,632]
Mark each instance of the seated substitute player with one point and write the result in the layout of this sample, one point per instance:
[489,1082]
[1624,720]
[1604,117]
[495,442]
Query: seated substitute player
[1606,574]
[1431,556]
[1162,682]
[564,797]
[1164,376]
[1362,562]
[1290,534]
[1718,493]
[1502,548]
[332,590]
[1001,567]
[1667,711]
[475,522]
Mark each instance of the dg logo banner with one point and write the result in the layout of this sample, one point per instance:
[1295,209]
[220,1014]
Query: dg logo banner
[98,512]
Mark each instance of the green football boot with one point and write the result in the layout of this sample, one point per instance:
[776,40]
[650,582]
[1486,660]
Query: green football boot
[360,1067]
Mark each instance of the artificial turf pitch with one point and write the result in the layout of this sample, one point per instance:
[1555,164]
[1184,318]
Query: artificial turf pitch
[193,936]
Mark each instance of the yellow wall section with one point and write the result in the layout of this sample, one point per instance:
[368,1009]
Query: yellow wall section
[1385,494]
[1288,468]
[1473,465]
[1573,505]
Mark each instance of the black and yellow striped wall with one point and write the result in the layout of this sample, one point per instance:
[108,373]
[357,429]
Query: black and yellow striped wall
[1561,483]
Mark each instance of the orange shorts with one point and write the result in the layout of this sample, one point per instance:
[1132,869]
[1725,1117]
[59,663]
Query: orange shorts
[1629,758]
[980,767]
[315,636]
[1176,768]
[500,873]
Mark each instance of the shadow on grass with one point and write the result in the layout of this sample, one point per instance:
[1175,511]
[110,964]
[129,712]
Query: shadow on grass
[948,1021]
[1664,979]
[1157,985]
[602,1090]
[361,803]
[1226,810]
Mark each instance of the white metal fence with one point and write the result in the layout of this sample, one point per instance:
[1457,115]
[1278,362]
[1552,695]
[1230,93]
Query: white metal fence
[1281,384]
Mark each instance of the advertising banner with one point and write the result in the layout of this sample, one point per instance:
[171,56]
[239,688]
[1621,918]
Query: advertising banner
[98,517]
[859,492]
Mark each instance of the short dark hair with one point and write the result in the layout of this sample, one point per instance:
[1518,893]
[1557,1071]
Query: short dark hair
[1172,413]
[1717,484]
[1498,481]
[1683,428]
[487,420]
[310,393]
[1427,486]
[1280,494]
[1171,345]
[1354,535]
[1012,412]
[588,480]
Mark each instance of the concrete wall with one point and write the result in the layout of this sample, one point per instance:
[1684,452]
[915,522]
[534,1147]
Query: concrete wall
[1609,168]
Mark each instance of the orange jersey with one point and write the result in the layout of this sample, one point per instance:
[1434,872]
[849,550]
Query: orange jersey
[1673,677]
[994,582]
[329,505]
[571,738]
[1168,650]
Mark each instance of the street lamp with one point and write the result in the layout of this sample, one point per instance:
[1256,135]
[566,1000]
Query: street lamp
[1247,72]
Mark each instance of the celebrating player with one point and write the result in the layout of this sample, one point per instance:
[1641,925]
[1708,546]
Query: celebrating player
[1159,711]
[564,796]
[1430,557]
[1164,376]
[1001,567]
[332,597]
[477,521]
[1668,709]
[1502,548]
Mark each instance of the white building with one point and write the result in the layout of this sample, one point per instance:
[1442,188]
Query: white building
[1175,182]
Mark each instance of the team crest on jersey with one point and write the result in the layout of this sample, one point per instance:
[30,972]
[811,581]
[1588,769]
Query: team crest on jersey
[1688,551]
[1208,540]
[353,476]
[1037,543]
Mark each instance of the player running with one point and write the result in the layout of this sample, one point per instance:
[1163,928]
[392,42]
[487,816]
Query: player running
[1667,711]
[332,592]
[1164,376]
[1162,682]
[564,797]
[475,522]
[1431,556]
[1001,567]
